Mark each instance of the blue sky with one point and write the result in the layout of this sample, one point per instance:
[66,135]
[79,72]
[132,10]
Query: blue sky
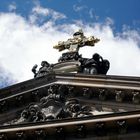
[29,29]
[122,12]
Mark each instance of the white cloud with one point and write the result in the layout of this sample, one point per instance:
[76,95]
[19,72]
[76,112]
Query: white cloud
[40,10]
[6,78]
[23,44]
[45,12]
[12,7]
[92,14]
[79,8]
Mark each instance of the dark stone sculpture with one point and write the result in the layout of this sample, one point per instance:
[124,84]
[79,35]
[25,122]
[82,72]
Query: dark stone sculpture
[51,107]
[43,70]
[94,65]
[34,70]
[69,56]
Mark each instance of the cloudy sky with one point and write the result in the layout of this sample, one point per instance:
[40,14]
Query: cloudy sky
[29,29]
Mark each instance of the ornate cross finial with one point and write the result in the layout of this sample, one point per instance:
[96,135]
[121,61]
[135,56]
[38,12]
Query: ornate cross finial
[78,41]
